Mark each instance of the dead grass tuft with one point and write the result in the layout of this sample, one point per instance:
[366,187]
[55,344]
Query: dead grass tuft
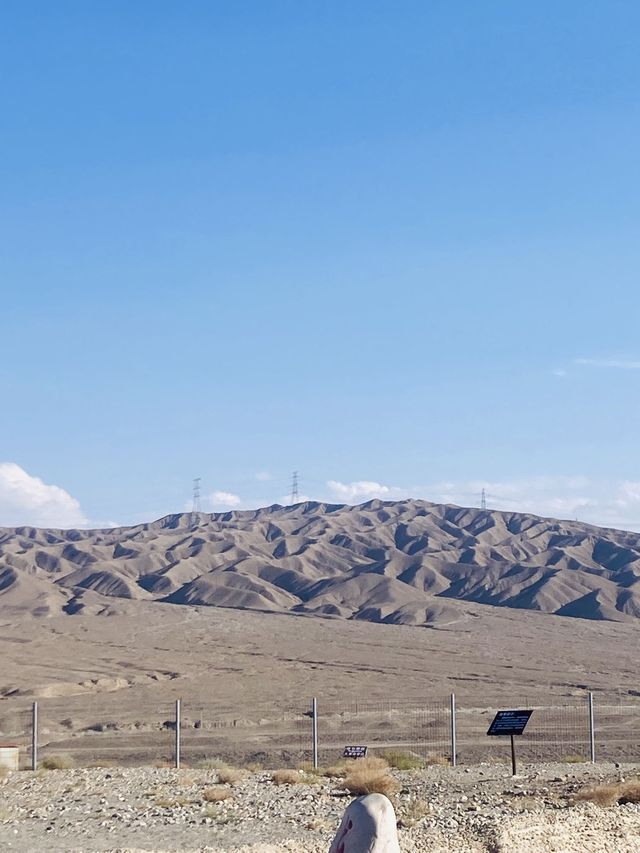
[365,781]
[286,777]
[630,792]
[435,760]
[344,768]
[57,762]
[308,768]
[4,772]
[413,812]
[403,760]
[231,775]
[211,764]
[335,771]
[372,762]
[609,795]
[216,795]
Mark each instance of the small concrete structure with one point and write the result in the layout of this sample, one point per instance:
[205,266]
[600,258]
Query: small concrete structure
[368,826]
[10,757]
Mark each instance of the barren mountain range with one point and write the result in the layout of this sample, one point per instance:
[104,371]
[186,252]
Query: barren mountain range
[407,562]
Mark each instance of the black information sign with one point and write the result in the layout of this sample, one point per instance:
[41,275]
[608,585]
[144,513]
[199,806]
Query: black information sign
[354,752]
[509,723]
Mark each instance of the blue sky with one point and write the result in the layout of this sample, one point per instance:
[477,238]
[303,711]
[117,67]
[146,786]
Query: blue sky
[393,246]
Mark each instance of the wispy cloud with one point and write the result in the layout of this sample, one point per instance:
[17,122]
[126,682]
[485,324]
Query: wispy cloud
[610,504]
[285,500]
[223,500]
[616,363]
[360,491]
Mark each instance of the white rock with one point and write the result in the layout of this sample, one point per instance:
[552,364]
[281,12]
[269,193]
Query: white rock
[368,826]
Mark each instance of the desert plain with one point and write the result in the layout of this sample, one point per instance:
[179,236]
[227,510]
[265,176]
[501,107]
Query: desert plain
[381,612]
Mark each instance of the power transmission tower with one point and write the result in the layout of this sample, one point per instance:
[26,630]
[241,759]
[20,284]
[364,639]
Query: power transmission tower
[295,495]
[196,507]
[483,499]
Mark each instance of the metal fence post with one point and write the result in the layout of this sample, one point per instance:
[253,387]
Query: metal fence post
[178,709]
[592,730]
[34,736]
[453,730]
[314,731]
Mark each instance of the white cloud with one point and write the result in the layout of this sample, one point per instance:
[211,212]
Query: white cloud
[618,363]
[360,491]
[614,504]
[224,500]
[263,476]
[559,371]
[609,504]
[285,500]
[27,500]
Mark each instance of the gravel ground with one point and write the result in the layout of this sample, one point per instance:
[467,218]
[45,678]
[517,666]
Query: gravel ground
[481,808]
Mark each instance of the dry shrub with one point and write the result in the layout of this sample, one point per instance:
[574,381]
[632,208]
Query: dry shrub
[608,795]
[600,795]
[366,781]
[216,795]
[4,772]
[336,771]
[630,792]
[286,777]
[308,768]
[345,768]
[372,762]
[254,767]
[212,764]
[573,759]
[413,812]
[403,760]
[231,775]
[57,762]
[434,760]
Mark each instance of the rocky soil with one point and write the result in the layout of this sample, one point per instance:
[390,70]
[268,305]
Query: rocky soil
[481,808]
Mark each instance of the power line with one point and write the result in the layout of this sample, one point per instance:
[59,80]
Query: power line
[295,494]
[195,507]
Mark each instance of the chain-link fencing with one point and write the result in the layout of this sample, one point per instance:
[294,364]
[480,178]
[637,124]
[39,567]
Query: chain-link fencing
[110,729]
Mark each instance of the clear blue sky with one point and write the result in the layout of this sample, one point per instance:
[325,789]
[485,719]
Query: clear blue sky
[394,246]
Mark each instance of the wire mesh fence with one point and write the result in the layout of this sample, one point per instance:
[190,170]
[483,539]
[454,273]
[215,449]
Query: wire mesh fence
[267,736]
[110,729]
[617,727]
[556,732]
[16,728]
[419,728]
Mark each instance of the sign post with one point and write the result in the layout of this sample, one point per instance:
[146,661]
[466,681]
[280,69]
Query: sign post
[510,723]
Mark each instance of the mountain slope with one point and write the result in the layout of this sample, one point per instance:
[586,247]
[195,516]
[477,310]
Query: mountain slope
[406,562]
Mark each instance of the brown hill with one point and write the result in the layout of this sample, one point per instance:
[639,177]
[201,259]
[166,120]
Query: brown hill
[407,562]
